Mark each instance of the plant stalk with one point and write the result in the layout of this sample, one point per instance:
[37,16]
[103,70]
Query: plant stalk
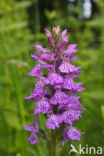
[53,143]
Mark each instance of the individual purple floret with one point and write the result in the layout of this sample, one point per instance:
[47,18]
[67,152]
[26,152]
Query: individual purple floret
[59,97]
[70,133]
[53,121]
[42,106]
[55,93]
[33,129]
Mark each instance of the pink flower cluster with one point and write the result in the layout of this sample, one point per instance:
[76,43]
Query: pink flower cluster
[55,90]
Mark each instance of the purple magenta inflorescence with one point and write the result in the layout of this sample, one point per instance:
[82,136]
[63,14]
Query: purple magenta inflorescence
[55,91]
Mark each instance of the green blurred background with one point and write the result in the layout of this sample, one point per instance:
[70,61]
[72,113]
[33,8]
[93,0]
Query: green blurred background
[22,25]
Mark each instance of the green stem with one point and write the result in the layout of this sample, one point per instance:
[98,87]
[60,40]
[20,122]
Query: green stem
[53,143]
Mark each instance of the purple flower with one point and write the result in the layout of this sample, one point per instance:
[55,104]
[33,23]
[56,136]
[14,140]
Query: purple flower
[53,121]
[64,33]
[66,67]
[41,49]
[72,58]
[73,102]
[63,42]
[42,106]
[47,32]
[36,71]
[59,97]
[70,116]
[47,57]
[70,133]
[50,39]
[44,57]
[70,49]
[38,92]
[74,134]
[33,139]
[36,56]
[69,84]
[53,79]
[55,93]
